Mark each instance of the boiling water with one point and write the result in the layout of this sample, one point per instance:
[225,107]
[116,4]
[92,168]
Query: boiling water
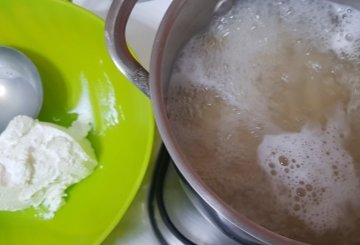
[266,105]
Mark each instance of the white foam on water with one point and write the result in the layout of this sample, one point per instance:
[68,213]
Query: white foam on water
[312,174]
[228,57]
[239,57]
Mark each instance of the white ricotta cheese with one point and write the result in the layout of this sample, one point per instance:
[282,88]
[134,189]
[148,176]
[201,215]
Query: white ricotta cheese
[38,161]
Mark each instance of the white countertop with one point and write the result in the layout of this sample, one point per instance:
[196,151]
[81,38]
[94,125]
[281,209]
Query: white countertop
[134,228]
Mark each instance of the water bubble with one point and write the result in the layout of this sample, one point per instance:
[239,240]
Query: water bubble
[223,6]
[316,66]
[220,27]
[226,34]
[349,37]
[283,161]
[289,11]
[284,78]
[309,187]
[301,192]
[296,207]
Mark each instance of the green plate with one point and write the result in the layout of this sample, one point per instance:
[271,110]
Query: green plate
[67,45]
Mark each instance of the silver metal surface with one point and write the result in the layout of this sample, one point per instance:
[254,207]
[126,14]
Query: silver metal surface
[115,27]
[21,90]
[185,216]
[182,20]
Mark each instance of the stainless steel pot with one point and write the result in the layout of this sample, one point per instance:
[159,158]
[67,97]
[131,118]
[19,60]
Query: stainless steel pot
[182,20]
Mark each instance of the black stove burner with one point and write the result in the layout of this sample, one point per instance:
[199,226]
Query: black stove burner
[156,196]
[159,215]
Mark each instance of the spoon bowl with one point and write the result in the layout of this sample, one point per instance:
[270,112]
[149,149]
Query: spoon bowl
[21,90]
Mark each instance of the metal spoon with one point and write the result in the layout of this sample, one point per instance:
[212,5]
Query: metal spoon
[21,91]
